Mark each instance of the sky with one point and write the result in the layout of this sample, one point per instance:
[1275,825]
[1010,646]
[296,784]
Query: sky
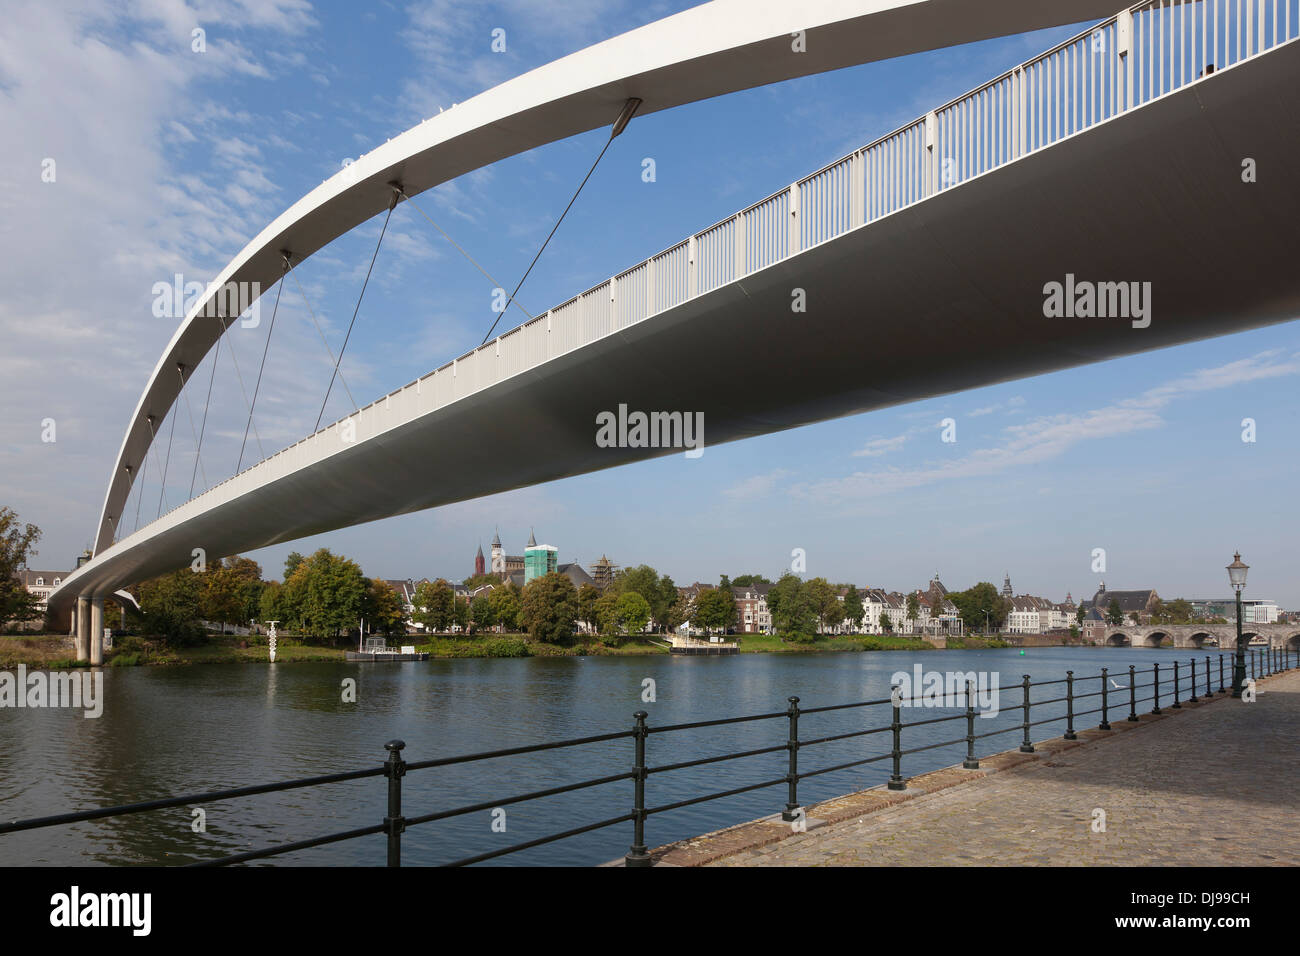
[168,154]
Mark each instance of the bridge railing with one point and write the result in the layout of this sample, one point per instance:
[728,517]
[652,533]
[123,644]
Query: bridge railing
[1147,51]
[1106,696]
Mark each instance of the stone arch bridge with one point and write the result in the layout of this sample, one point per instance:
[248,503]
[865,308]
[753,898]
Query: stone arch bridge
[1224,636]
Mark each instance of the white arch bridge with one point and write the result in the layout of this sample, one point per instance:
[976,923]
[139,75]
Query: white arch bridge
[1114,157]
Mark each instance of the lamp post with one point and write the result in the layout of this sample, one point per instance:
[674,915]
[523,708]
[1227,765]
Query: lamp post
[1237,575]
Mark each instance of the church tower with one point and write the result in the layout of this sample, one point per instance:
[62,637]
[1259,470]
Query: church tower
[498,556]
[1006,585]
[479,567]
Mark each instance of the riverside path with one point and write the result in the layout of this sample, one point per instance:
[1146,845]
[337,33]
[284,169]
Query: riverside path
[1209,784]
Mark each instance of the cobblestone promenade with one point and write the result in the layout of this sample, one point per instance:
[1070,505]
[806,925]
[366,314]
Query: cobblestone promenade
[1215,784]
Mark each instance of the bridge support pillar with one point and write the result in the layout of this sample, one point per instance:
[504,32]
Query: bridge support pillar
[81,621]
[96,631]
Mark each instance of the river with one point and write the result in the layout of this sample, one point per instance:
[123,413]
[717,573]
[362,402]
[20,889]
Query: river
[169,731]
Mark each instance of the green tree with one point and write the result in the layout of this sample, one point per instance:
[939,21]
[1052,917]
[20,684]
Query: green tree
[1079,615]
[549,607]
[605,614]
[974,602]
[17,543]
[792,612]
[1114,614]
[326,592]
[749,580]
[824,599]
[715,609]
[853,609]
[271,604]
[291,564]
[506,602]
[913,608]
[434,605]
[170,607]
[588,595]
[383,609]
[482,612]
[632,612]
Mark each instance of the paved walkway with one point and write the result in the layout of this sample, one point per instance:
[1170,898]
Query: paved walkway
[1214,784]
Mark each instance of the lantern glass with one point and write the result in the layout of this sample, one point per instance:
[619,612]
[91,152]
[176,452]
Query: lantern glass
[1237,572]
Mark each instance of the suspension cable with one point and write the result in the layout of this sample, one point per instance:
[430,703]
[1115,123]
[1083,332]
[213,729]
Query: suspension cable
[319,331]
[242,390]
[180,370]
[167,461]
[483,271]
[144,466]
[392,205]
[265,349]
[629,108]
[198,449]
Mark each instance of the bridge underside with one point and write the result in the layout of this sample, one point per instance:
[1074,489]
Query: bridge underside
[943,296]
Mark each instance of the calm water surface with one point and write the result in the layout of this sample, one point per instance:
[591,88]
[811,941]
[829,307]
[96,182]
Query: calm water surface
[173,730]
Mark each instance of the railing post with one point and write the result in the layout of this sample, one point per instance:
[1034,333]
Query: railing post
[896,778]
[792,743]
[741,245]
[638,855]
[1177,705]
[1069,706]
[1155,683]
[932,184]
[1209,687]
[1222,685]
[970,763]
[394,823]
[857,191]
[1193,699]
[692,274]
[795,233]
[1026,747]
[1105,691]
[1132,693]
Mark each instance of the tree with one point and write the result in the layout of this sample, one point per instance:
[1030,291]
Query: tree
[853,609]
[170,607]
[679,612]
[16,546]
[291,564]
[715,609]
[1114,615]
[549,607]
[1079,615]
[506,601]
[232,591]
[434,605]
[659,592]
[605,614]
[271,606]
[913,608]
[886,624]
[824,599]
[632,612]
[792,614]
[749,580]
[588,595]
[325,594]
[481,611]
[383,609]
[973,603]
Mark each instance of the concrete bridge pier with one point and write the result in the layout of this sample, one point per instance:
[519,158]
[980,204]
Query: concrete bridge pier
[81,621]
[96,631]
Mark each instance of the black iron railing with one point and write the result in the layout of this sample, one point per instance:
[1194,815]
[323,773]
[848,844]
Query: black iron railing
[1198,677]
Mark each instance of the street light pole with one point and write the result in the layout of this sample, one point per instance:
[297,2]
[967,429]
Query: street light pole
[1237,576]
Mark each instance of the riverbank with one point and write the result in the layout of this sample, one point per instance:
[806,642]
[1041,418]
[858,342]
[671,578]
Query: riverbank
[55,650]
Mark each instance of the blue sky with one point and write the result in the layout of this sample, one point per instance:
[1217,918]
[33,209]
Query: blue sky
[169,160]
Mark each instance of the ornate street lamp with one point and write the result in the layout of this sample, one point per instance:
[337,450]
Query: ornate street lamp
[1237,575]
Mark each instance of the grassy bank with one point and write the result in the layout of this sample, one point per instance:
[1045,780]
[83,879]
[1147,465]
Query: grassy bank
[54,650]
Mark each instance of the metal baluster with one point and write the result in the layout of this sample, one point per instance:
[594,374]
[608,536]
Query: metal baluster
[1132,694]
[1069,706]
[792,743]
[1026,747]
[970,763]
[638,855]
[1105,691]
[394,823]
[896,778]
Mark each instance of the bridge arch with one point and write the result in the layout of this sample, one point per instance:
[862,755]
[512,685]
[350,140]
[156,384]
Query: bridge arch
[1118,639]
[1203,639]
[1157,639]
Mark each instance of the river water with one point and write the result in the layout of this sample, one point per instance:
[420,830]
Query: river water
[168,731]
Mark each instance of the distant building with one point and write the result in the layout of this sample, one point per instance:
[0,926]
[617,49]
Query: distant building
[539,559]
[1136,605]
[480,567]
[752,614]
[503,565]
[602,572]
[39,584]
[1252,611]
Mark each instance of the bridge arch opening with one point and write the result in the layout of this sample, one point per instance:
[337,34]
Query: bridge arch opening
[1119,639]
[1157,639]
[1203,639]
